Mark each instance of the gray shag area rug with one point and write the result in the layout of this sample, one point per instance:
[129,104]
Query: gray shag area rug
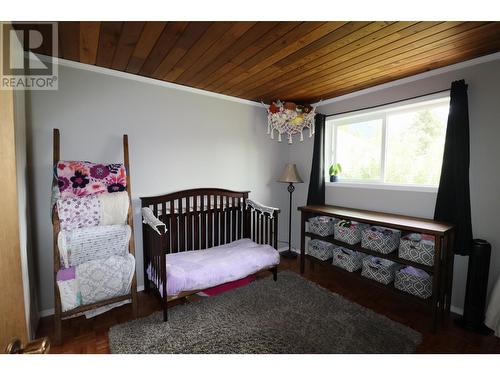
[292,315]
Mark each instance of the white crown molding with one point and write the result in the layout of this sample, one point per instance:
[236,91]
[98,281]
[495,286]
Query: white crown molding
[138,78]
[416,77]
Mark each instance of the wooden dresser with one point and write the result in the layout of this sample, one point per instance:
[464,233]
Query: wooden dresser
[441,271]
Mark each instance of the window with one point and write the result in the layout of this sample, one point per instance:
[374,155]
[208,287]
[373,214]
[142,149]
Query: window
[394,145]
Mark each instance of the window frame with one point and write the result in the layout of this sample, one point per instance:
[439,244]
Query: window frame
[370,114]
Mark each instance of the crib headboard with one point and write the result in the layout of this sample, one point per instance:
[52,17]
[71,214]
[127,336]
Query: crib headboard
[202,218]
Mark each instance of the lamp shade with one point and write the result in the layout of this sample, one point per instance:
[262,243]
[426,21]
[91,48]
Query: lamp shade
[290,174]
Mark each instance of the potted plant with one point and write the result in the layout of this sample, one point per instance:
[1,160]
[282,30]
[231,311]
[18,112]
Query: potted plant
[335,170]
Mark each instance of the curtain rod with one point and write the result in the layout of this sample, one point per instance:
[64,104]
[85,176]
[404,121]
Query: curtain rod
[380,105]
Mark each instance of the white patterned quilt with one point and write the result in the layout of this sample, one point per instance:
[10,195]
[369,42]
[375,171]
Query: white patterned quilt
[95,280]
[93,243]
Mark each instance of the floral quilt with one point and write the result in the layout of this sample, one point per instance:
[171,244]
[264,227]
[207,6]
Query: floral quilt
[82,178]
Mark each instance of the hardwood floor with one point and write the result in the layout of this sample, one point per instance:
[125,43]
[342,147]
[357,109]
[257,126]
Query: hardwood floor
[91,336]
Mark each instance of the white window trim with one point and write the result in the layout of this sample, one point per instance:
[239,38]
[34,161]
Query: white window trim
[381,186]
[371,114]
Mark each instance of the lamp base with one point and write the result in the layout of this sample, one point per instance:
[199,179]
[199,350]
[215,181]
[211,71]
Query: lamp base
[288,254]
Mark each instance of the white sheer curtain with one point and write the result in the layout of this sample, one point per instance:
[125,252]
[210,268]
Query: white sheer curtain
[493,312]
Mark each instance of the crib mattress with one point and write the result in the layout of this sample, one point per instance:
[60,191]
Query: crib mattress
[201,269]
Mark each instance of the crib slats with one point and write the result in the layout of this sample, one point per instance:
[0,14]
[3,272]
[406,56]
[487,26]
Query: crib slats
[238,219]
[210,221]
[189,225]
[182,227]
[165,220]
[233,219]
[196,229]
[275,221]
[216,221]
[227,214]
[203,243]
[254,226]
[222,221]
[173,227]
[266,228]
[261,217]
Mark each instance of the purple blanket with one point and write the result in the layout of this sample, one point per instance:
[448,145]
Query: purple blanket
[201,269]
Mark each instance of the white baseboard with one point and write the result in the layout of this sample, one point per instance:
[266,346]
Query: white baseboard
[457,310]
[49,312]
[285,248]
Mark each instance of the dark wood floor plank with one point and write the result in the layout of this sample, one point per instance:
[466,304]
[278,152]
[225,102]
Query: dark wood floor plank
[108,40]
[129,37]
[89,41]
[91,336]
[69,37]
[149,37]
[167,39]
[191,34]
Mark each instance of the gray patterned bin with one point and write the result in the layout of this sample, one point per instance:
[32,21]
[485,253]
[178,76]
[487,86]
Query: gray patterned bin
[417,285]
[418,248]
[381,270]
[349,231]
[380,239]
[322,225]
[320,249]
[347,259]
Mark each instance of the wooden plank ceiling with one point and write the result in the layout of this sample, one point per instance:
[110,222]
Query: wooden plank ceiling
[299,61]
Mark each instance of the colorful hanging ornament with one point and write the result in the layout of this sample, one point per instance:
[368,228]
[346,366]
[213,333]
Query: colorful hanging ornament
[289,119]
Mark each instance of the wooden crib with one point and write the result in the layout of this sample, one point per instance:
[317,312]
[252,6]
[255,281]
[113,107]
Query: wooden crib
[199,219]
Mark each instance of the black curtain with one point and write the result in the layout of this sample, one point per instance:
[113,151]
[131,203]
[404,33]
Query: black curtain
[316,192]
[453,198]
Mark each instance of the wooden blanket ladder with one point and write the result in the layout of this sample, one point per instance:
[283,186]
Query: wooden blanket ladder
[58,313]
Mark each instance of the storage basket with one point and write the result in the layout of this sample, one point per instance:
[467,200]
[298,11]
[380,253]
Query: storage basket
[347,259]
[418,248]
[380,239]
[320,249]
[381,270]
[322,225]
[419,284]
[349,231]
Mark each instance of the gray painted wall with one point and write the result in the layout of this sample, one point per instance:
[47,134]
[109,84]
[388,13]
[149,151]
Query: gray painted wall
[484,111]
[177,140]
